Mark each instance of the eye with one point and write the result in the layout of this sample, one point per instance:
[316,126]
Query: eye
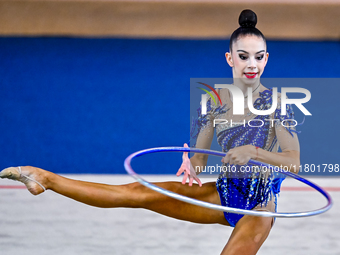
[243,57]
[260,57]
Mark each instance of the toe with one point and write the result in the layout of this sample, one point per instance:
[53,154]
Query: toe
[10,173]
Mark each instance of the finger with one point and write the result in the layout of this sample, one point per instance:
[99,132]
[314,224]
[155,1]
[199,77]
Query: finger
[234,157]
[180,171]
[241,162]
[185,177]
[191,180]
[237,160]
[226,159]
[185,153]
[244,161]
[198,181]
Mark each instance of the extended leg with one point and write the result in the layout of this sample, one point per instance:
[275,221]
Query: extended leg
[133,195]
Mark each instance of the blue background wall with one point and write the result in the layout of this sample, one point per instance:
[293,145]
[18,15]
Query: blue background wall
[74,105]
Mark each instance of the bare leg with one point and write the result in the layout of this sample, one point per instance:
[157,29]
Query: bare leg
[247,237]
[249,234]
[132,195]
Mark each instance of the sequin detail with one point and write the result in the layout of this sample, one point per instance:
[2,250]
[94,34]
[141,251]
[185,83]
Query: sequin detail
[239,189]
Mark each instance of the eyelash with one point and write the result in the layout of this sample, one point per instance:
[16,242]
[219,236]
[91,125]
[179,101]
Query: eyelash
[243,57]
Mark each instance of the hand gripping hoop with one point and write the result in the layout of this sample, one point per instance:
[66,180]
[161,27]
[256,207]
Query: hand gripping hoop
[128,168]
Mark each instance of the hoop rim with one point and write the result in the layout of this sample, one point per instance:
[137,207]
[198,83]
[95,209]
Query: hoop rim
[132,173]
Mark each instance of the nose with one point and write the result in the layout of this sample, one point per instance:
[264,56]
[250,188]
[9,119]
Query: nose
[251,63]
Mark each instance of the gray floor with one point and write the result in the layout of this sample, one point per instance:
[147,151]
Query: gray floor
[52,224]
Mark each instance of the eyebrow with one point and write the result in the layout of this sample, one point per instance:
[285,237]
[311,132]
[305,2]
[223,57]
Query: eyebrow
[248,52]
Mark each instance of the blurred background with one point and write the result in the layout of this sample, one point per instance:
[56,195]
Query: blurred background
[83,84]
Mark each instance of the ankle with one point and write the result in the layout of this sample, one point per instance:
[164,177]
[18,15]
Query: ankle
[49,179]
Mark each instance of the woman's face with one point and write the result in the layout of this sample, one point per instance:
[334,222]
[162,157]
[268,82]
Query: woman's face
[248,58]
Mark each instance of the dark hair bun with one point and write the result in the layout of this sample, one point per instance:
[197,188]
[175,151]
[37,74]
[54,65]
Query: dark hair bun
[247,18]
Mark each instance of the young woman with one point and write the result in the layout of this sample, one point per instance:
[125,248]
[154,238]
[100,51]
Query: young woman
[247,57]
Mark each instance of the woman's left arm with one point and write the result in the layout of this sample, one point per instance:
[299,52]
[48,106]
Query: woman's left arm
[289,157]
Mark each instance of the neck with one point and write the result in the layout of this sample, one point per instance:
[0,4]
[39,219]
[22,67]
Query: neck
[244,87]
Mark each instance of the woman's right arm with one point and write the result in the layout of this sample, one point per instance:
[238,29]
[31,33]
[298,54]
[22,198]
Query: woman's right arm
[191,167]
[204,140]
[194,165]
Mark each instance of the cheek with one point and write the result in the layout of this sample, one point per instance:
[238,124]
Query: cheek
[237,63]
[261,64]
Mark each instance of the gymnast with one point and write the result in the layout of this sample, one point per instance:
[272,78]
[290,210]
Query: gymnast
[247,57]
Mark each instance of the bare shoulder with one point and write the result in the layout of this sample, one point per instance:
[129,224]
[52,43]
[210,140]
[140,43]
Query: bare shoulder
[216,97]
[224,95]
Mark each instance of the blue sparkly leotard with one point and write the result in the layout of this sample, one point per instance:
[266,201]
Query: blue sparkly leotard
[241,189]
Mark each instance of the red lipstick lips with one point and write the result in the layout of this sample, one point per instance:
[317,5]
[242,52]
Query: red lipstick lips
[250,75]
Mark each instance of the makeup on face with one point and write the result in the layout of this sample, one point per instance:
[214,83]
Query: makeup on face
[249,57]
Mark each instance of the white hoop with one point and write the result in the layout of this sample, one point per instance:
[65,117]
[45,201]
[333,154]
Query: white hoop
[131,172]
